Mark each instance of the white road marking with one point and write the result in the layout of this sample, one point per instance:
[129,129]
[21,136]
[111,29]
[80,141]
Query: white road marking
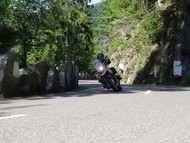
[148,92]
[13,116]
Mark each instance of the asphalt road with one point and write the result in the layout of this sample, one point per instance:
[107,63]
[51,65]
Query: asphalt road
[91,114]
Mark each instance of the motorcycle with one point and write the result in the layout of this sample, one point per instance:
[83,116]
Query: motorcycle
[107,76]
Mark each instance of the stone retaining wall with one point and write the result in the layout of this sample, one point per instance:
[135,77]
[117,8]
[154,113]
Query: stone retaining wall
[42,78]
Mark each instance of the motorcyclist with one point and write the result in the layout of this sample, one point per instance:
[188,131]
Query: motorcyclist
[105,61]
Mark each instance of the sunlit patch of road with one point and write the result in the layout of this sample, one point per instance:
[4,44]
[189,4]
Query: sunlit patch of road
[148,92]
[12,116]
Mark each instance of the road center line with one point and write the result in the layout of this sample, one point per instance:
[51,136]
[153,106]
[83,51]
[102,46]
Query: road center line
[13,116]
[148,92]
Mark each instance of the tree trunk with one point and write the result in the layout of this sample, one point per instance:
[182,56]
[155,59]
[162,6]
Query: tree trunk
[24,56]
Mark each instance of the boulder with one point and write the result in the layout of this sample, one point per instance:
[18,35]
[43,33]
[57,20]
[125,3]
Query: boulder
[68,75]
[24,71]
[185,3]
[71,75]
[41,69]
[34,83]
[24,85]
[76,76]
[9,74]
[52,82]
[61,71]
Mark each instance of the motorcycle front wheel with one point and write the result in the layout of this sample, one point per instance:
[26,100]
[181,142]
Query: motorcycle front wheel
[113,86]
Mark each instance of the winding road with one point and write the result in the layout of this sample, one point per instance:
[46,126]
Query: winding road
[91,114]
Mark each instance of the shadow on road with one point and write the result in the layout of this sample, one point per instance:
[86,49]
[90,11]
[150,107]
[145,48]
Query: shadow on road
[90,88]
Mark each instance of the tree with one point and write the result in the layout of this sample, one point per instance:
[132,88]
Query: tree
[69,26]
[27,19]
[7,31]
[47,30]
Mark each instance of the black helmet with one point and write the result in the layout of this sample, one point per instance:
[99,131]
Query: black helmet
[100,56]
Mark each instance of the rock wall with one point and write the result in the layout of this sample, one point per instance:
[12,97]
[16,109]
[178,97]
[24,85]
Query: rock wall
[8,81]
[175,45]
[184,40]
[42,78]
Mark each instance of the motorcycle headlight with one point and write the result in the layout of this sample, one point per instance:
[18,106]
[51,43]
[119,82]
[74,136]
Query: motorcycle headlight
[101,69]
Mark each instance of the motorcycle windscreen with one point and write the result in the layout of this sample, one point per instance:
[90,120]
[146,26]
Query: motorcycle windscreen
[100,68]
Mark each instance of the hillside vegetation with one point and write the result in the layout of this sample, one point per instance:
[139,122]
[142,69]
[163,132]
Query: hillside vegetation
[137,36]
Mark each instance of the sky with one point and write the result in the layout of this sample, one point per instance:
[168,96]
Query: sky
[94,1]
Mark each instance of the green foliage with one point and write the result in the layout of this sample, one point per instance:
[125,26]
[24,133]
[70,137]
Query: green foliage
[144,22]
[115,44]
[131,27]
[47,30]
[149,27]
[7,31]
[119,7]
[7,39]
[69,28]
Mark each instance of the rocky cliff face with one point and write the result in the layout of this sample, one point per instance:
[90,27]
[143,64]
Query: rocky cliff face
[184,39]
[175,44]
[160,67]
